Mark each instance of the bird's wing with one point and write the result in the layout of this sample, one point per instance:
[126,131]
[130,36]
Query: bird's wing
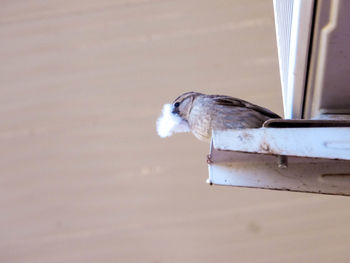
[234,102]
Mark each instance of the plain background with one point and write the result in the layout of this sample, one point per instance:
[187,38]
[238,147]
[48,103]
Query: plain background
[84,176]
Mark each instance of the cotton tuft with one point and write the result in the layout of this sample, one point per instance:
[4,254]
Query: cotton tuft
[169,123]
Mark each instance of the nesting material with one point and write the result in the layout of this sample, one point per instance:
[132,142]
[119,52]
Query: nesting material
[169,123]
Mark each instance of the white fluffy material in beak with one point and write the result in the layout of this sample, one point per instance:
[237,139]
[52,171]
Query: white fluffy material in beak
[169,123]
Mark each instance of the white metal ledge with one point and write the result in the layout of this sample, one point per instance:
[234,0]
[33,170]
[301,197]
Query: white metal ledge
[315,157]
[314,176]
[332,143]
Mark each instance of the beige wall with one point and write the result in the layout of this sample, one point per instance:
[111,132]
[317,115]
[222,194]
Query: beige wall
[85,178]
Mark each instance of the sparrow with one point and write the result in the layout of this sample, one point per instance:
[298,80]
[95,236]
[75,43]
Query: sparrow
[201,114]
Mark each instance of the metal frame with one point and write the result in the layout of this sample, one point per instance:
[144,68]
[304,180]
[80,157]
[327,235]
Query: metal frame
[262,171]
[295,155]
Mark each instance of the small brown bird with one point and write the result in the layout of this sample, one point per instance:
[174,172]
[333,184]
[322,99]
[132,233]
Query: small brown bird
[201,113]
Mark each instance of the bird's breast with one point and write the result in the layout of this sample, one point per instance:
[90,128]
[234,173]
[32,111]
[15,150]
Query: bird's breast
[200,120]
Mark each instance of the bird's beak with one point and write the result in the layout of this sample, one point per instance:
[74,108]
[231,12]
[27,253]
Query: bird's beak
[174,110]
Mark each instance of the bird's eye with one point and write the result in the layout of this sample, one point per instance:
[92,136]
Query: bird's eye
[177,104]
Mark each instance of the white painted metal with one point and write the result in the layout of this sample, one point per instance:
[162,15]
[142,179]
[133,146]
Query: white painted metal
[317,177]
[332,143]
[293,20]
[283,11]
[298,58]
[261,171]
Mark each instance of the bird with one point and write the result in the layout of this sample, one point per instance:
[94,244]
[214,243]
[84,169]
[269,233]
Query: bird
[201,114]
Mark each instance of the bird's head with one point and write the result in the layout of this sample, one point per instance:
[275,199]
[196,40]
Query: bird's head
[182,105]
[174,116]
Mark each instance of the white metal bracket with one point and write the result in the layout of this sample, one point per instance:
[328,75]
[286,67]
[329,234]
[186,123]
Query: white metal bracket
[318,154]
